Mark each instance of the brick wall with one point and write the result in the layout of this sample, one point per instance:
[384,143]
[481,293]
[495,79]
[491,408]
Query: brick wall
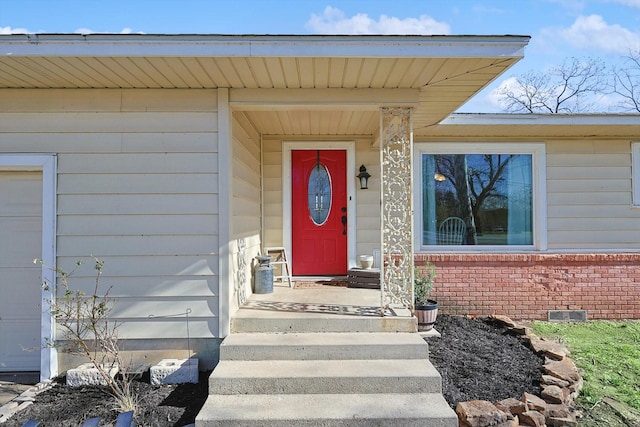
[526,286]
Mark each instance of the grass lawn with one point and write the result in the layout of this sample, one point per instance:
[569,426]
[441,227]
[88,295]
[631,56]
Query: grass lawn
[608,353]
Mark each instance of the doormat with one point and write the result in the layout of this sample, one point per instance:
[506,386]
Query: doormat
[316,282]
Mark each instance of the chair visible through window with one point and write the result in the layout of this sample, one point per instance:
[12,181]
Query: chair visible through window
[452,231]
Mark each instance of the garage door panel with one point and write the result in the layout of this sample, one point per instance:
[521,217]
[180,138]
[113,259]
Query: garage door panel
[20,279]
[25,189]
[20,241]
[20,350]
[21,293]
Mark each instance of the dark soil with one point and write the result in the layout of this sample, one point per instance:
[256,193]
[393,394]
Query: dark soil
[477,360]
[158,406]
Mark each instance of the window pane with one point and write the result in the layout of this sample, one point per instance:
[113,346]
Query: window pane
[319,194]
[477,199]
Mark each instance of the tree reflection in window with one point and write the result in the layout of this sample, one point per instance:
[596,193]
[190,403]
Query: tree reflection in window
[492,193]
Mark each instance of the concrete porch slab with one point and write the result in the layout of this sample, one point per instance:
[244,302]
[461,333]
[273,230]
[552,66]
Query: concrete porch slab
[320,309]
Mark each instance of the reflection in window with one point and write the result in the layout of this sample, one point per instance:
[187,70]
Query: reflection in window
[490,193]
[319,194]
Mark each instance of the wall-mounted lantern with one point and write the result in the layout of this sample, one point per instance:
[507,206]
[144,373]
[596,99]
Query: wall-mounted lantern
[363,176]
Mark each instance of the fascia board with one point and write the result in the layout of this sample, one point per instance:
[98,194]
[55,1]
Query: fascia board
[489,119]
[136,45]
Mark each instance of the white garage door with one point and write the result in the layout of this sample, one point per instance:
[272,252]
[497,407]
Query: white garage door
[20,287]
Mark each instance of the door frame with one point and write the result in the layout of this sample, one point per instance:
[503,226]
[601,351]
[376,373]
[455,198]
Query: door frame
[47,164]
[350,148]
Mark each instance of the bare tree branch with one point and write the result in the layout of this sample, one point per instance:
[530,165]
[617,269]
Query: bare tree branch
[568,88]
[626,83]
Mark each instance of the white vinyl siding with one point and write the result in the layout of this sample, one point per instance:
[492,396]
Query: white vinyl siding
[273,198]
[246,212]
[590,195]
[367,201]
[137,187]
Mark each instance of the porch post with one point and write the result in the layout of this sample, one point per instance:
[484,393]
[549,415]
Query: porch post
[396,140]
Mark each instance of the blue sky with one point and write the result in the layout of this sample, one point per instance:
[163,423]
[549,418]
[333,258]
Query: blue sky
[604,29]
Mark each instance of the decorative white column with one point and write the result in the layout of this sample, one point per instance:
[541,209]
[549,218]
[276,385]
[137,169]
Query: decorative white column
[396,140]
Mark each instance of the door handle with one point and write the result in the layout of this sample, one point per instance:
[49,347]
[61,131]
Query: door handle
[344,221]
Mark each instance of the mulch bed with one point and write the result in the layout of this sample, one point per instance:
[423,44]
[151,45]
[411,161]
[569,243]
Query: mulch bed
[158,406]
[476,359]
[479,360]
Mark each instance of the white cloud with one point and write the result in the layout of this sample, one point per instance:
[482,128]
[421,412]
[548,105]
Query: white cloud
[84,31]
[334,21]
[508,85]
[9,30]
[125,30]
[593,33]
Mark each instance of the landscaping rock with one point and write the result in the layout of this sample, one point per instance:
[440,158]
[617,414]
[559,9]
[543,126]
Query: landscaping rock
[534,402]
[557,411]
[553,407]
[550,349]
[480,413]
[503,320]
[561,422]
[555,394]
[532,418]
[551,380]
[564,369]
[512,406]
[521,330]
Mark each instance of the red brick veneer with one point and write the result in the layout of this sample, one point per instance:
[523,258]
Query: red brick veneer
[525,286]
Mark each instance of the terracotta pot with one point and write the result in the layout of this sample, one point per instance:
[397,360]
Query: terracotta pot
[426,315]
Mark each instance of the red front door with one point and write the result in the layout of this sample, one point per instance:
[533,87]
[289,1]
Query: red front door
[319,212]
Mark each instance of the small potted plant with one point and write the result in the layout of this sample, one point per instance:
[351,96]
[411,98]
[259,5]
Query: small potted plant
[426,310]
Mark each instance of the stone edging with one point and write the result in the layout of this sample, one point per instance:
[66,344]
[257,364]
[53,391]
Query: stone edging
[561,383]
[24,400]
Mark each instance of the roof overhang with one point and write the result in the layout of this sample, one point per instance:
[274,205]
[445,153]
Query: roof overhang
[442,72]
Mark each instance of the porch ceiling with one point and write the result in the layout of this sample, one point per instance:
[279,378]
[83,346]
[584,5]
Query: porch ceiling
[445,70]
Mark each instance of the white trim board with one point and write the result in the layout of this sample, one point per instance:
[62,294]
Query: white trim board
[379,46]
[48,165]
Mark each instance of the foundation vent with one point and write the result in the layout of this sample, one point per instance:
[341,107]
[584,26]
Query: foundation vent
[567,315]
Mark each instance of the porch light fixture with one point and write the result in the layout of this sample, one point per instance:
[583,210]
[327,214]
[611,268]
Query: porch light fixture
[363,176]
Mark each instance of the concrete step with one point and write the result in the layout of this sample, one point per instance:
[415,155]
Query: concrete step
[253,320]
[329,410]
[330,346]
[325,376]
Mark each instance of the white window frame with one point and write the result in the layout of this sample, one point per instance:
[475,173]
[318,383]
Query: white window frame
[635,173]
[538,167]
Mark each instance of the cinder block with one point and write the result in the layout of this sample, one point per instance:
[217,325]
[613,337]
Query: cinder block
[175,371]
[87,374]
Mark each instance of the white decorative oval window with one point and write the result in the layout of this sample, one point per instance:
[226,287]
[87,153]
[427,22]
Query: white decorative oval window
[319,194]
